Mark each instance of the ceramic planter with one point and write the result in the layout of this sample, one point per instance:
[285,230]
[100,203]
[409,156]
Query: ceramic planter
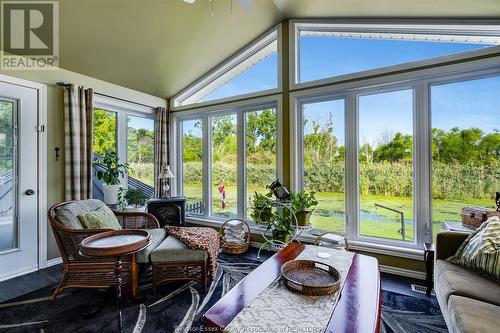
[281,236]
[110,194]
[303,218]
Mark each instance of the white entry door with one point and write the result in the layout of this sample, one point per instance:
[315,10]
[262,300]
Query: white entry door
[18,180]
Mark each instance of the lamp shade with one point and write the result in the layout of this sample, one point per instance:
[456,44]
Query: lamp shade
[165,173]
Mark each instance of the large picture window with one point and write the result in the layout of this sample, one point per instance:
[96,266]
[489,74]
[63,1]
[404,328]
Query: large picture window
[253,70]
[465,147]
[126,129]
[230,172]
[324,159]
[331,50]
[385,159]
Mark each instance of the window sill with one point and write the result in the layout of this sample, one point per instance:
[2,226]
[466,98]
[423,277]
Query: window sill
[308,237]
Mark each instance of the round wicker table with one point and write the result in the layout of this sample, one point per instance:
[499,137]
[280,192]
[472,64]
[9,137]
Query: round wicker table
[116,244]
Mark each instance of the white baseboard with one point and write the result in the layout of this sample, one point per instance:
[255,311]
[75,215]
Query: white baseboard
[53,262]
[402,272]
[24,271]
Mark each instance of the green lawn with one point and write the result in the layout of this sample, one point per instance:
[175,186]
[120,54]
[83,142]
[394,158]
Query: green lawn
[329,213]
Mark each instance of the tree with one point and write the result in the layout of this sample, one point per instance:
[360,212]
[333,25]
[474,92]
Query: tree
[400,147]
[261,131]
[320,146]
[104,131]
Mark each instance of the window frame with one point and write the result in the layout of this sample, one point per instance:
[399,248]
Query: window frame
[470,28]
[122,109]
[239,108]
[421,83]
[252,48]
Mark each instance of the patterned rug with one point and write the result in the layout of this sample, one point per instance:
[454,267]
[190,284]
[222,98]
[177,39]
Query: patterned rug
[180,306]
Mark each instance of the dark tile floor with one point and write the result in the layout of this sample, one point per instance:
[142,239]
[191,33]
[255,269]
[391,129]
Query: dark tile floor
[30,282]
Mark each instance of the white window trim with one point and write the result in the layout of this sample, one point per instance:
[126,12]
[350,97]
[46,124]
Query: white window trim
[122,109]
[260,43]
[239,108]
[421,85]
[487,32]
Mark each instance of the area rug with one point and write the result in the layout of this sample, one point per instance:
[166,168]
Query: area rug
[178,307]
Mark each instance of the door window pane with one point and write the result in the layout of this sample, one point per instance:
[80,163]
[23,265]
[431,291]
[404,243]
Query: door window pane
[324,150]
[465,147]
[140,149]
[386,165]
[104,131]
[224,165]
[8,222]
[192,165]
[328,54]
[260,146]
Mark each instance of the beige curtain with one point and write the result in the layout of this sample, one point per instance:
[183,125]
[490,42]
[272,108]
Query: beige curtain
[78,109]
[162,149]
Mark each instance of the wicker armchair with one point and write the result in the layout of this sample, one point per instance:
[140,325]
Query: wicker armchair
[84,272]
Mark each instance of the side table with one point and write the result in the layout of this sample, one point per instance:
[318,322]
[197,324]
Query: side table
[116,244]
[429,250]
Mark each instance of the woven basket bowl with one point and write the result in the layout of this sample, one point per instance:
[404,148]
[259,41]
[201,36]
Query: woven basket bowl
[233,248]
[310,277]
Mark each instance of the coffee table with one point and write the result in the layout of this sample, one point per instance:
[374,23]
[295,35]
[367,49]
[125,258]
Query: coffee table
[357,310]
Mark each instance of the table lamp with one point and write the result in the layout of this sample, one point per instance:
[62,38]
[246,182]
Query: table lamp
[164,176]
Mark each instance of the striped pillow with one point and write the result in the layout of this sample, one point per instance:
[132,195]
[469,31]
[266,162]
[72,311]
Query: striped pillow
[481,250]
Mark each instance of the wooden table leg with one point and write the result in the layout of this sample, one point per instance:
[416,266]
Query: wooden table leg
[118,281]
[429,267]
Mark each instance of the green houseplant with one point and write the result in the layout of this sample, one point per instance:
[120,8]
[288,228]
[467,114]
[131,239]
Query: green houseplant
[261,208]
[302,202]
[136,197]
[114,170]
[282,227]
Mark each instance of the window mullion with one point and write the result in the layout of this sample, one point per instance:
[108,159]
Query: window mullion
[121,125]
[241,171]
[351,167]
[423,151]
[207,164]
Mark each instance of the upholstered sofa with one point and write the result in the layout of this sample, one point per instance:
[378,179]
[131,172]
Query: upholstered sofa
[469,301]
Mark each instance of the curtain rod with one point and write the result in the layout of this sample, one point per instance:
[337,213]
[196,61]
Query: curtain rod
[67,85]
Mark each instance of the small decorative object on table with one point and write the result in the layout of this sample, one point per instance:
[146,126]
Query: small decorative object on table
[331,239]
[165,176]
[475,216]
[235,236]
[310,277]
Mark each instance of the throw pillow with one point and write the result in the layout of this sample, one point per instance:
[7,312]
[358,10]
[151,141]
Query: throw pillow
[481,250]
[99,219]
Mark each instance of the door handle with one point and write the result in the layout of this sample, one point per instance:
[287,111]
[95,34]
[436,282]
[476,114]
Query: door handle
[29,192]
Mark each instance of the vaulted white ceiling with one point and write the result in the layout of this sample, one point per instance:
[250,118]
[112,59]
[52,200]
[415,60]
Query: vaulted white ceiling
[160,46]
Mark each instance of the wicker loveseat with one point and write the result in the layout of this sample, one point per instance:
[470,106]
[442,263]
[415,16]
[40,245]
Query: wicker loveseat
[84,272]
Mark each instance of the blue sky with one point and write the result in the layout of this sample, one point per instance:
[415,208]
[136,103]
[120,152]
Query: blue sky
[465,104]
[141,122]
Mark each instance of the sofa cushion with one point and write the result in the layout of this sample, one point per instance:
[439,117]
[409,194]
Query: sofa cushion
[67,215]
[472,316]
[157,236]
[481,250]
[451,279]
[99,219]
[172,249]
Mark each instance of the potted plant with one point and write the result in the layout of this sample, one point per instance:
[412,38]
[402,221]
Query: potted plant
[282,227]
[261,208]
[301,206]
[114,170]
[136,197]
